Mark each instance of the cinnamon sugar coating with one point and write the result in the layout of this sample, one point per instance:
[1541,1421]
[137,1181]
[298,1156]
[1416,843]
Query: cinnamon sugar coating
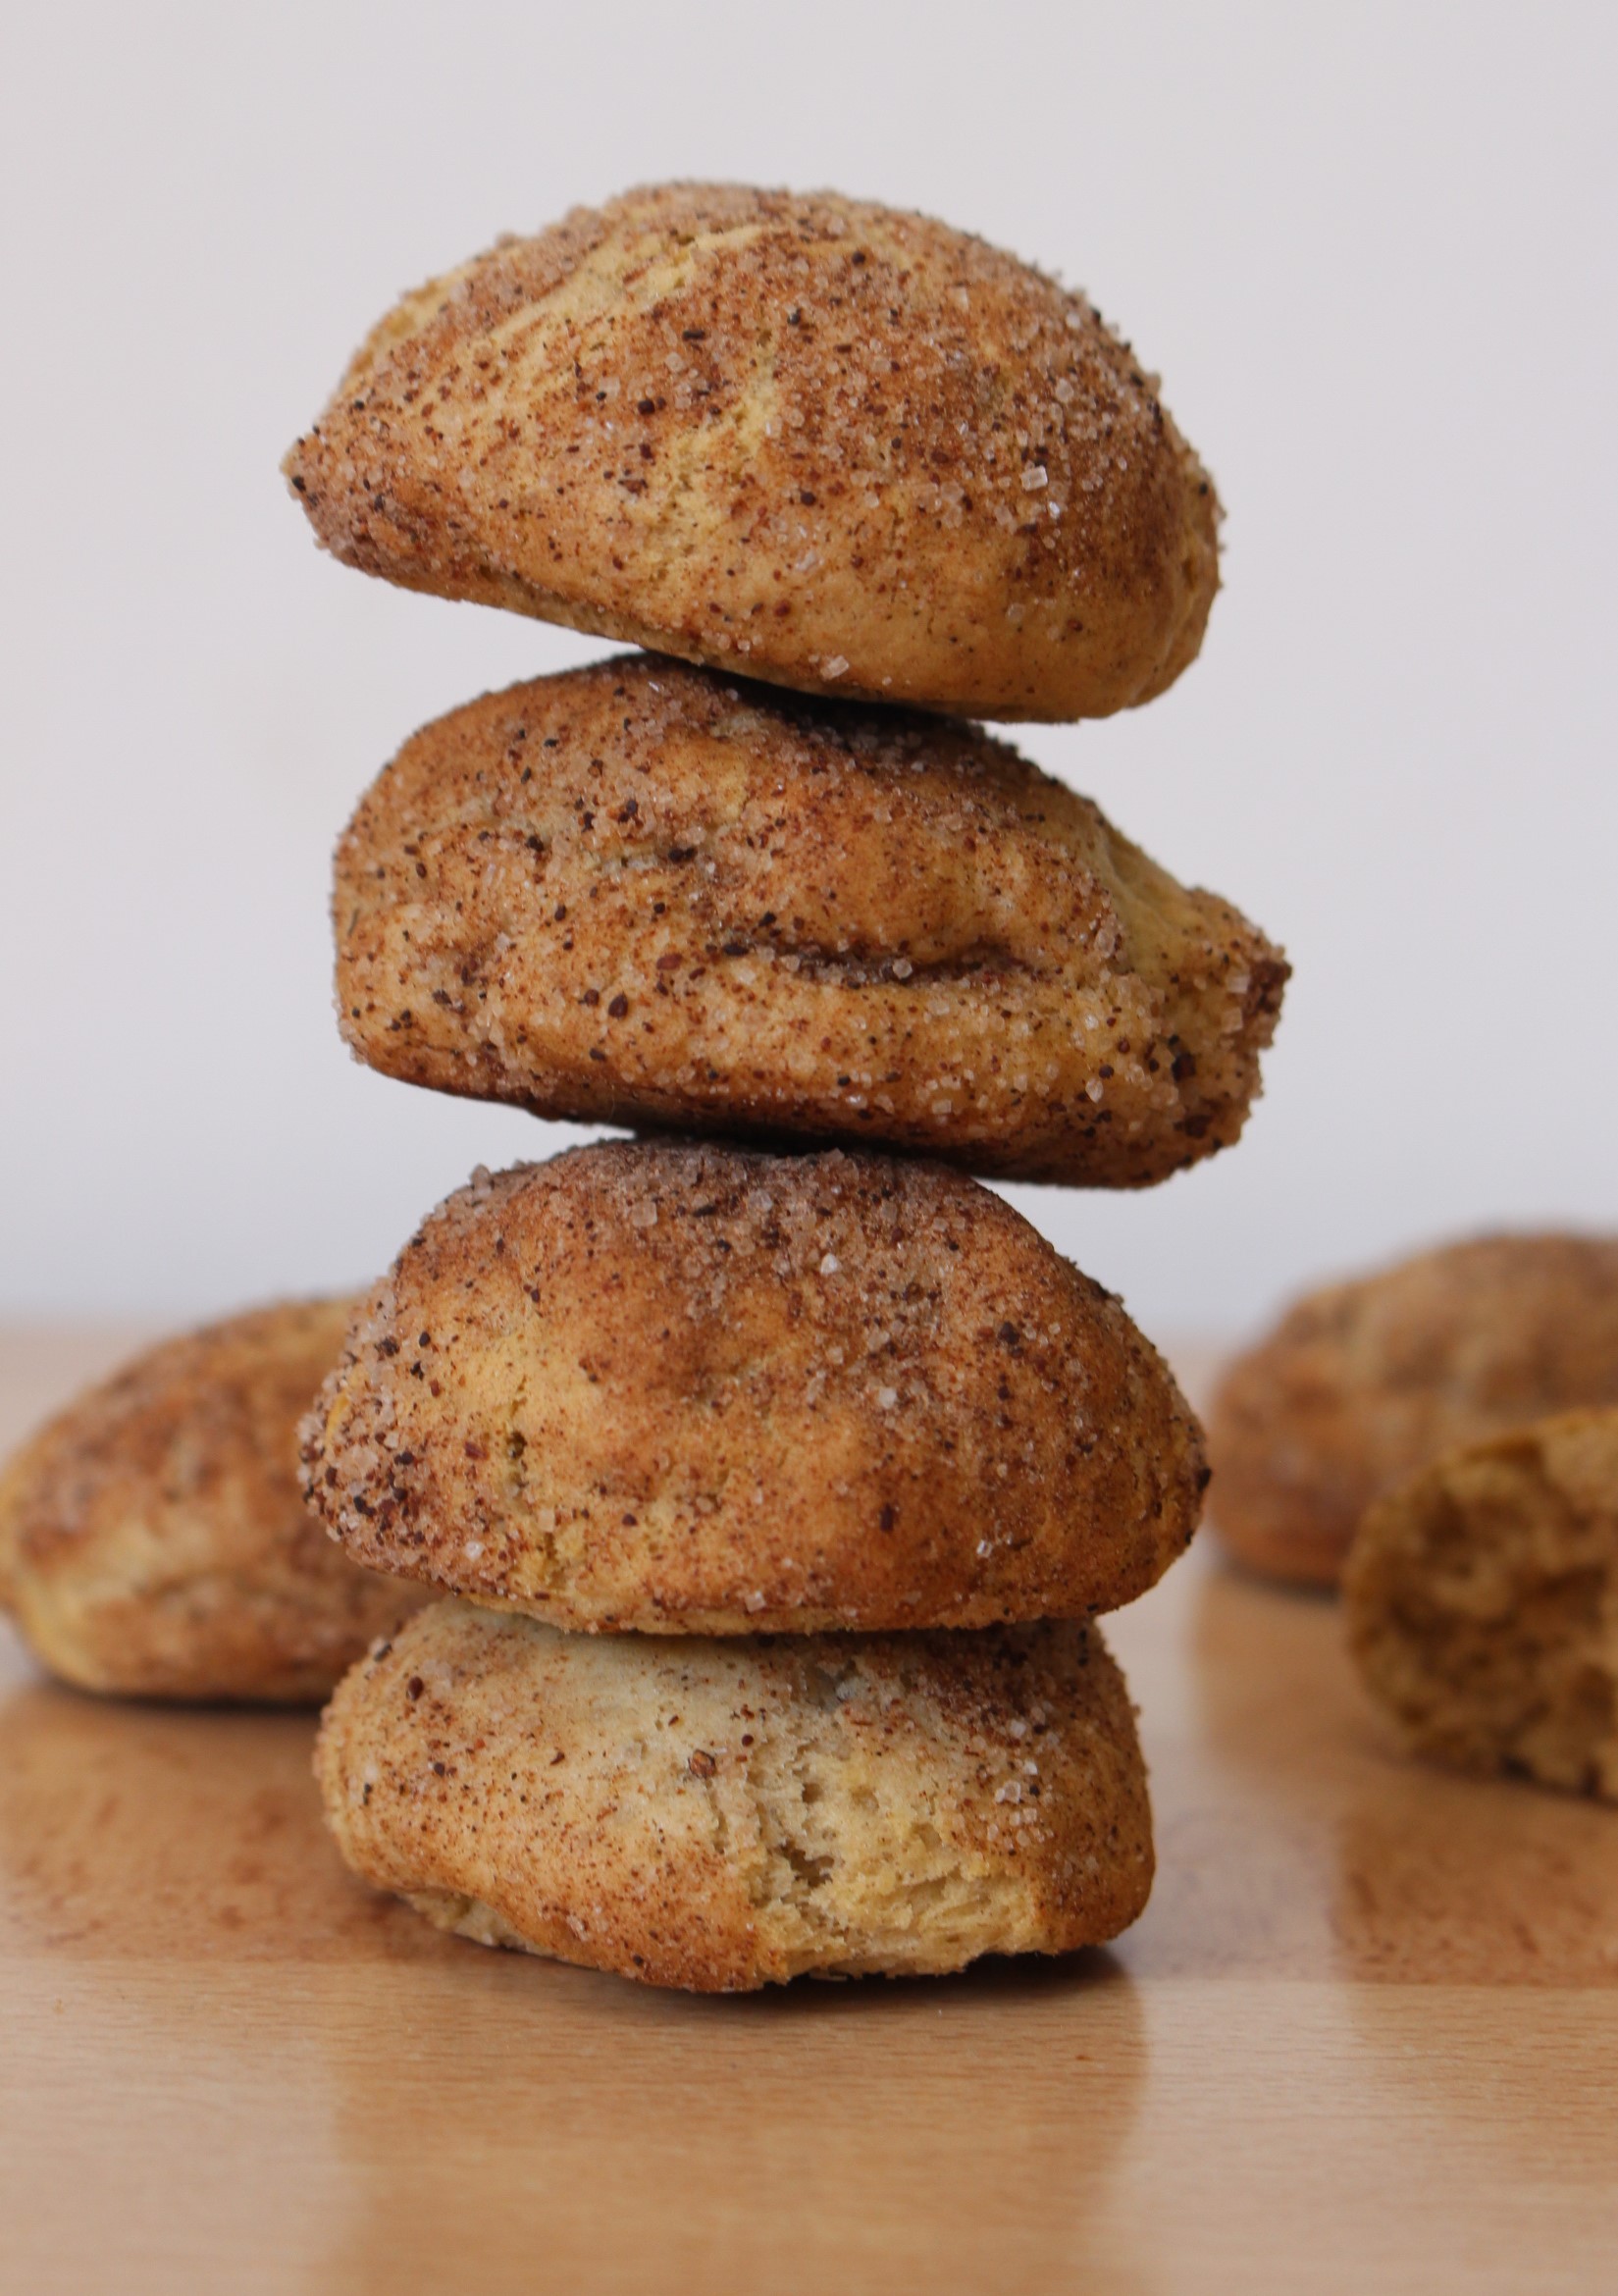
[153,1538]
[641,893]
[687,1390]
[1363,1383]
[726,1815]
[839,447]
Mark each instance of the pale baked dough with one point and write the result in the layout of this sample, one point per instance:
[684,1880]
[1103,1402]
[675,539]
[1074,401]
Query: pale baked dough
[689,1389]
[639,893]
[1365,1382]
[1482,1604]
[842,448]
[153,1538]
[721,1815]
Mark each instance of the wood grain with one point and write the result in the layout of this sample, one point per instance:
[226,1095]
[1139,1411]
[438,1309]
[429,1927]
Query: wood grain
[1365,2036]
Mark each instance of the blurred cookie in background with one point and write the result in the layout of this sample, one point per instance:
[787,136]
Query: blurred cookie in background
[1363,1383]
[1482,1604]
[153,1538]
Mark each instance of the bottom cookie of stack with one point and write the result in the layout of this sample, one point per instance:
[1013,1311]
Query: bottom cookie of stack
[725,1815]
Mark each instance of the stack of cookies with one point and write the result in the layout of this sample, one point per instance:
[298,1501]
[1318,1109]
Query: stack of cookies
[775,1478]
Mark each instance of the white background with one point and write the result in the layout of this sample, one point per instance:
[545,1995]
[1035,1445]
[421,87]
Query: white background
[1371,250]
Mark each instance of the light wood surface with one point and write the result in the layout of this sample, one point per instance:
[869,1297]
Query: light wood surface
[1365,2038]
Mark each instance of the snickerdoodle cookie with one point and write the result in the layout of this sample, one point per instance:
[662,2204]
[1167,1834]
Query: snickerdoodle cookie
[683,1388]
[153,1538]
[1365,1382]
[723,1815]
[1482,1603]
[842,448]
[641,893]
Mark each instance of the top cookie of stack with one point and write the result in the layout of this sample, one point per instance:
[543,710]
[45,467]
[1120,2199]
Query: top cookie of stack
[805,438]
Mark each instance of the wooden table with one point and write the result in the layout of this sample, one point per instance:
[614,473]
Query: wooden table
[1365,2038]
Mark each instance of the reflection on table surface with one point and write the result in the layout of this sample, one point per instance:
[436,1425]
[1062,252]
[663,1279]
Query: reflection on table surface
[1366,2033]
